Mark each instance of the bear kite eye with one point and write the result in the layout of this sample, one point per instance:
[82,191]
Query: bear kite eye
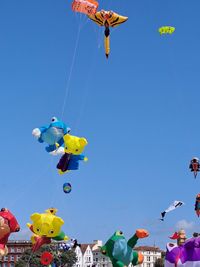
[76,150]
[51,231]
[38,229]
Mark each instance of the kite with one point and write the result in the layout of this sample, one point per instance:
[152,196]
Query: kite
[46,258]
[121,252]
[173,206]
[194,166]
[107,19]
[197,205]
[74,147]
[8,225]
[70,245]
[52,134]
[46,226]
[185,253]
[166,30]
[88,7]
[67,188]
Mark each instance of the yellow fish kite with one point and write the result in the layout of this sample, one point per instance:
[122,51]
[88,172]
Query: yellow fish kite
[107,19]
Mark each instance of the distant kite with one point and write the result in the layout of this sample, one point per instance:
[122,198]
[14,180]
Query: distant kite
[173,206]
[88,7]
[197,205]
[194,166]
[166,30]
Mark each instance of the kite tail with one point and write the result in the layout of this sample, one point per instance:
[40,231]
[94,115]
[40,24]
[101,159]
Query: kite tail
[107,41]
[107,45]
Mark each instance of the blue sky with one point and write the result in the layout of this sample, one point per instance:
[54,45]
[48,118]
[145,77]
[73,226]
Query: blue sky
[139,111]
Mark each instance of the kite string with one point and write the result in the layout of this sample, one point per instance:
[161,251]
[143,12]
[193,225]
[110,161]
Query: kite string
[70,72]
[86,91]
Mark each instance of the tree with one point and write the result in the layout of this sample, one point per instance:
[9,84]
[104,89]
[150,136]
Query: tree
[159,262]
[60,258]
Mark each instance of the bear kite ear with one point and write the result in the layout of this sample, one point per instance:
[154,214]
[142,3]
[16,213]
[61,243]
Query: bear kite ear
[35,216]
[58,220]
[83,141]
[67,136]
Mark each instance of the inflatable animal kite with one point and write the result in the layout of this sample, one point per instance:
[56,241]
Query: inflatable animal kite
[46,226]
[87,7]
[194,166]
[197,205]
[74,147]
[166,30]
[186,253]
[51,134]
[8,225]
[70,245]
[107,19]
[121,252]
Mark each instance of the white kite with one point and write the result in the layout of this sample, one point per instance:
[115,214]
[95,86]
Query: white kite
[173,206]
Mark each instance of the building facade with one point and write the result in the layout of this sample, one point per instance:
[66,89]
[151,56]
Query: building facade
[89,255]
[151,254]
[15,250]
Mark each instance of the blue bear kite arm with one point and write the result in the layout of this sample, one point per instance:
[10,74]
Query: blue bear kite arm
[50,148]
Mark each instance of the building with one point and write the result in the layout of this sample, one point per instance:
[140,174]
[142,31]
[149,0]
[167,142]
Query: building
[151,254]
[89,255]
[15,250]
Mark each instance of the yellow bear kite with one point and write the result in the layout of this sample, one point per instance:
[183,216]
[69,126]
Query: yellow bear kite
[74,146]
[46,226]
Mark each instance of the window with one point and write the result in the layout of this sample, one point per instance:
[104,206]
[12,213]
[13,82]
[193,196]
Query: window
[5,258]
[148,258]
[103,259]
[18,249]
[96,259]
[12,264]
[148,265]
[89,259]
[12,258]
[12,250]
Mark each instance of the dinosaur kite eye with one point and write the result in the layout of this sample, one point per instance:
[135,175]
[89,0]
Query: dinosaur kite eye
[120,232]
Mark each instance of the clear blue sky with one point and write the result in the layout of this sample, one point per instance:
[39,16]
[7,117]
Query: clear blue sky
[139,111]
